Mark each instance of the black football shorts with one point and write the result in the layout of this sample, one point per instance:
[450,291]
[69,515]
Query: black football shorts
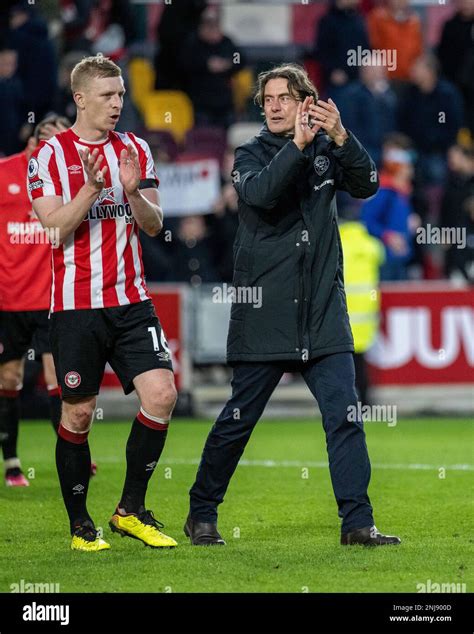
[129,337]
[22,332]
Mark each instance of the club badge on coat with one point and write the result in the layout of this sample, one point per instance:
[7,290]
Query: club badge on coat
[321,164]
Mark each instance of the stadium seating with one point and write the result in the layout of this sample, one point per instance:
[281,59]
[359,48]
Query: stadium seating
[242,87]
[142,80]
[170,110]
[207,140]
[164,140]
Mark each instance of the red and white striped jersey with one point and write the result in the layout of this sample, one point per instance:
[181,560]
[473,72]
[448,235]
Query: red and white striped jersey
[100,264]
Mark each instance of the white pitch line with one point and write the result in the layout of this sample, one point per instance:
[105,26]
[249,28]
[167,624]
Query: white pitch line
[317,465]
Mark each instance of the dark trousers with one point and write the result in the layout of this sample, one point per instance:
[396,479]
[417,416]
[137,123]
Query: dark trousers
[331,381]
[361,378]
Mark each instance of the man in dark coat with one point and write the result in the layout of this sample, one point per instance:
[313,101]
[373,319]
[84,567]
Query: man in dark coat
[293,315]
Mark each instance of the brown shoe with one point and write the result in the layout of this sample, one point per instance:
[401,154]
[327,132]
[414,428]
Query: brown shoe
[368,536]
[202,533]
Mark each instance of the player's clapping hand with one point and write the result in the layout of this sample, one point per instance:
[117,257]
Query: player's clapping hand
[92,162]
[129,169]
[325,115]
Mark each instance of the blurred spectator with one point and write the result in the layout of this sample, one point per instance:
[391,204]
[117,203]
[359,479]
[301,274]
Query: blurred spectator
[225,220]
[387,215]
[363,256]
[457,212]
[75,16]
[396,27]
[340,30]
[5,21]
[368,108]
[37,69]
[156,256]
[11,103]
[178,21]
[456,55]
[64,102]
[193,256]
[431,115]
[207,60]
[98,26]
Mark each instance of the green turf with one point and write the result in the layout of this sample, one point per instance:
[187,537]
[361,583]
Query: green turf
[281,528]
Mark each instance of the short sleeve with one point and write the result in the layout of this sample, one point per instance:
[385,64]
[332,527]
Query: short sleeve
[43,176]
[149,177]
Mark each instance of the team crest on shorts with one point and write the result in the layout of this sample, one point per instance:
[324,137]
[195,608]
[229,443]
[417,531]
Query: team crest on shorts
[321,164]
[72,379]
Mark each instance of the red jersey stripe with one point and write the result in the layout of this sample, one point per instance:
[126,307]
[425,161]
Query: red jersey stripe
[109,251]
[82,249]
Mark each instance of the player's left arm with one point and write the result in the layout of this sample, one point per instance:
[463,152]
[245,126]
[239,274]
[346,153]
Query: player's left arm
[147,211]
[144,202]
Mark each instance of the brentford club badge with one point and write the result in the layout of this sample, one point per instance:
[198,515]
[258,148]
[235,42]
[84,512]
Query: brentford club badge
[72,379]
[321,164]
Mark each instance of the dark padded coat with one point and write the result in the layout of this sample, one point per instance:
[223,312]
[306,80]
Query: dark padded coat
[288,245]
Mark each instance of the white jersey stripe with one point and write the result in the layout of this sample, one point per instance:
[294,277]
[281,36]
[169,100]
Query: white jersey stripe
[68,246]
[95,232]
[125,138]
[53,286]
[120,228]
[137,266]
[150,166]
[44,156]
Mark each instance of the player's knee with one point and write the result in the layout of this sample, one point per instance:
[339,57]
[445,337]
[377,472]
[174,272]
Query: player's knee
[11,378]
[78,417]
[161,401]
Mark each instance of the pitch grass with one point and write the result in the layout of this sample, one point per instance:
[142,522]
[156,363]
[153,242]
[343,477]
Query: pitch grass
[281,528]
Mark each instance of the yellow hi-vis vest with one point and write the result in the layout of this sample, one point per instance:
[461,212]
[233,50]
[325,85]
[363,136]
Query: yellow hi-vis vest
[363,255]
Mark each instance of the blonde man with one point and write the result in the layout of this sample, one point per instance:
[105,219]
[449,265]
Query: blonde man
[97,188]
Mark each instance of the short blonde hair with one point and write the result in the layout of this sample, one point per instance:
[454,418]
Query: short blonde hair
[90,67]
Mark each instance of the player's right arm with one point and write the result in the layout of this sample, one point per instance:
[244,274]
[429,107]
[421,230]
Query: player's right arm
[66,218]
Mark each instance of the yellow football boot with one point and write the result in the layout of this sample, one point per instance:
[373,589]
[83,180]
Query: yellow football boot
[142,526]
[85,538]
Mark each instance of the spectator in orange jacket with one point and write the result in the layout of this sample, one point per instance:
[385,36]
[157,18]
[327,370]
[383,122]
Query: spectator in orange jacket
[395,26]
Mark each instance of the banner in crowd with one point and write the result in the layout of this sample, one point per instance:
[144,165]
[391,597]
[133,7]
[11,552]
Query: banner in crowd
[190,187]
[426,335]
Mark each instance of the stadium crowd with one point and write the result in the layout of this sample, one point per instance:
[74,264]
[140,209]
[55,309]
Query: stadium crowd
[414,115]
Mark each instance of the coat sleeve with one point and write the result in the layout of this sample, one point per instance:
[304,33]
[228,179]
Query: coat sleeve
[356,172]
[262,187]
